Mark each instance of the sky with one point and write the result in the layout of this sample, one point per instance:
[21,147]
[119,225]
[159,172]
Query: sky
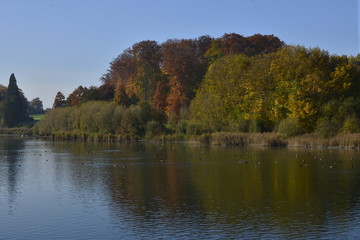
[57,45]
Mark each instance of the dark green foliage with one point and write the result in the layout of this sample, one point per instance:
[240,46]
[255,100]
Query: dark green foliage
[327,127]
[16,105]
[154,128]
[290,127]
[181,126]
[36,106]
[350,125]
[196,128]
[133,122]
[339,116]
[90,94]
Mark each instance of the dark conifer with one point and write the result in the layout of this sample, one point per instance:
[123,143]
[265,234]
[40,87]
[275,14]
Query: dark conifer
[15,104]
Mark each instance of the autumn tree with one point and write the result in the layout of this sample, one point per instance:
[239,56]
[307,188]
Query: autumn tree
[233,43]
[75,97]
[306,79]
[147,55]
[293,83]
[120,96]
[159,100]
[106,92]
[59,101]
[183,63]
[263,44]
[136,71]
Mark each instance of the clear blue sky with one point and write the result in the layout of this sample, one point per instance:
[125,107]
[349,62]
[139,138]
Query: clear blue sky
[57,45]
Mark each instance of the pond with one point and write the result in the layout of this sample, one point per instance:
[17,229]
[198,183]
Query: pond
[77,190]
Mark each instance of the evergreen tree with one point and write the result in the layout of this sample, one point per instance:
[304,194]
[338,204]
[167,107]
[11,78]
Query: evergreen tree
[16,104]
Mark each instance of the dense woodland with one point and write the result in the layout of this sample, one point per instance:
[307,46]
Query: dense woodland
[205,85]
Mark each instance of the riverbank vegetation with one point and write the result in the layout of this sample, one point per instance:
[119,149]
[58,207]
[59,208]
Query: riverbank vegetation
[233,90]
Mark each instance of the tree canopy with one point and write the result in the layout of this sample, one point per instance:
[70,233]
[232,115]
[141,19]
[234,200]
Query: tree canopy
[231,83]
[36,106]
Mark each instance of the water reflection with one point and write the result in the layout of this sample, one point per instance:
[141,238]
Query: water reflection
[269,191]
[186,192]
[11,158]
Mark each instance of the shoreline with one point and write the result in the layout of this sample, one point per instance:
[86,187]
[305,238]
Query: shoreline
[272,140]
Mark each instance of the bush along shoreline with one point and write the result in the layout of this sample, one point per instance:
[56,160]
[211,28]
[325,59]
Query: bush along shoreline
[272,140]
[18,131]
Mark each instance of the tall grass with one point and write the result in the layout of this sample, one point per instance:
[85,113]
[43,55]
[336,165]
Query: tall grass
[345,141]
[244,139]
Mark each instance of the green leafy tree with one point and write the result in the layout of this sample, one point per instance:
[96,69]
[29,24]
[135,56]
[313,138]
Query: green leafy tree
[305,80]
[90,94]
[147,55]
[36,106]
[16,105]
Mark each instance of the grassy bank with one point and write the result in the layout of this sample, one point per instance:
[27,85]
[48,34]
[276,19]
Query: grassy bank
[37,117]
[346,141]
[25,131]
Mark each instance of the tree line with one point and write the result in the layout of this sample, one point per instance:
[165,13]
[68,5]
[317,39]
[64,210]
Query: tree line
[14,107]
[231,83]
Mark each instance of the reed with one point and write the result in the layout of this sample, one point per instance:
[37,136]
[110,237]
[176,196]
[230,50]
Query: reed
[247,139]
[91,137]
[343,141]
[346,141]
[17,131]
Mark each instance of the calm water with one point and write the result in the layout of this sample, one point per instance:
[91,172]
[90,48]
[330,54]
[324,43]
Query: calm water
[176,191]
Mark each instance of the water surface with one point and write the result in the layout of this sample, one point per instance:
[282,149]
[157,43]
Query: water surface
[74,190]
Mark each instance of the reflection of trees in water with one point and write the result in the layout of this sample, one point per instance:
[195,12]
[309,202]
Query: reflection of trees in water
[275,188]
[10,148]
[289,191]
[269,188]
[159,184]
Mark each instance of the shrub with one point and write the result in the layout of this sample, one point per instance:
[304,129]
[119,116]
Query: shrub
[256,126]
[181,127]
[327,128]
[132,122]
[238,126]
[351,125]
[196,128]
[154,128]
[290,127]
